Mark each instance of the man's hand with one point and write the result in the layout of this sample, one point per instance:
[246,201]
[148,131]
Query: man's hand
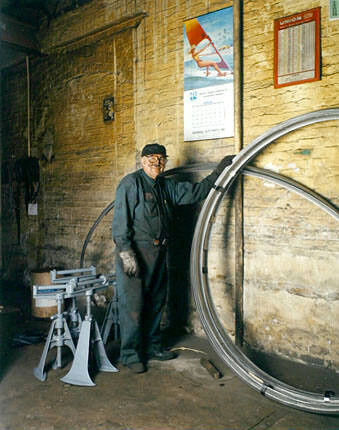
[226,161]
[129,263]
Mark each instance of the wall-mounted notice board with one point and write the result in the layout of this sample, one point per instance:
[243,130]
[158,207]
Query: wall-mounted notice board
[297,48]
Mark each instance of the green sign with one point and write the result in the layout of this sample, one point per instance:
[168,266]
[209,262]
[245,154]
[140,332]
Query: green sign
[334,9]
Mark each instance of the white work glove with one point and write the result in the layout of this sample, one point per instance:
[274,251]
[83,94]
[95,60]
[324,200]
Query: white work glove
[129,263]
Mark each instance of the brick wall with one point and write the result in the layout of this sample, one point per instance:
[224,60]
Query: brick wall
[134,51]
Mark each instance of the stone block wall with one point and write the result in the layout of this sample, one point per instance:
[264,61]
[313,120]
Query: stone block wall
[81,156]
[291,247]
[133,50]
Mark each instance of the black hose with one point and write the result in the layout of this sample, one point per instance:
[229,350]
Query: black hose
[91,231]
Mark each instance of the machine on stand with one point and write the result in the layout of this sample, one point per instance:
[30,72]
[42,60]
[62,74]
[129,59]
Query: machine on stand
[85,334]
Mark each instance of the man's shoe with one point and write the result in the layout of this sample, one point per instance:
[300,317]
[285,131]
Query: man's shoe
[163,355]
[136,367]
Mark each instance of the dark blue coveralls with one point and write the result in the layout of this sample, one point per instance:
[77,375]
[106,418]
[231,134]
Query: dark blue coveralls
[143,212]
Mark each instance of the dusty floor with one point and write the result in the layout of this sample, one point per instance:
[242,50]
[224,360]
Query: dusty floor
[179,394]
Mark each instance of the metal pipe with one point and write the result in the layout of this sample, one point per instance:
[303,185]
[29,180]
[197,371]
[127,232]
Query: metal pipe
[239,191]
[28,108]
[59,327]
[119,26]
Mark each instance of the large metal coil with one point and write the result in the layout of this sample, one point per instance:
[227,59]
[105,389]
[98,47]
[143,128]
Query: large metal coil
[327,403]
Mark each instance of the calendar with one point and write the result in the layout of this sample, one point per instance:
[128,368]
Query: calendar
[209,113]
[208,76]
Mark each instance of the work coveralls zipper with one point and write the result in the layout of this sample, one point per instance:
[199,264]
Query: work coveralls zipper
[157,193]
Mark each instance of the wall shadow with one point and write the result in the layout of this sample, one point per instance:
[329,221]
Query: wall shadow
[179,299]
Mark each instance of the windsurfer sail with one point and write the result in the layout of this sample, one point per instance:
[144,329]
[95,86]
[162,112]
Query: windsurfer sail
[195,34]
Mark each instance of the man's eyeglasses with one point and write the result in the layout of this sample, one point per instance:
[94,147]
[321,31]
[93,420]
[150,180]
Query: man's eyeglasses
[153,159]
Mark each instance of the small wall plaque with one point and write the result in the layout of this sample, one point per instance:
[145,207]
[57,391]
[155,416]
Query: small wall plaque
[333,9]
[108,109]
[32,209]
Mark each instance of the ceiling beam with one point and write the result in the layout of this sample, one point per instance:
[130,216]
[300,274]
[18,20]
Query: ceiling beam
[18,35]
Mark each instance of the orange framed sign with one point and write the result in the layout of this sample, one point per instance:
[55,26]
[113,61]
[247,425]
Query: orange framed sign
[297,48]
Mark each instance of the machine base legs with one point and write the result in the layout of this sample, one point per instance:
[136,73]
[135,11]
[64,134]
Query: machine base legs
[89,336]
[53,340]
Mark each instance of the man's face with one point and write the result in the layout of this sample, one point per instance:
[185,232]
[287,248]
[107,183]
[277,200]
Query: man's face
[153,164]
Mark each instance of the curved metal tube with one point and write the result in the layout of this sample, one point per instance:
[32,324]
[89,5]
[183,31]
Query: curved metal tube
[91,231]
[223,345]
[294,186]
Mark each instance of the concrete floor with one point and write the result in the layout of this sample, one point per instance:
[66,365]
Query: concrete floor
[179,394]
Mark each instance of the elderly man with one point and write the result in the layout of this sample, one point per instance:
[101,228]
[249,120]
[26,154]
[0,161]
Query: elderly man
[141,227]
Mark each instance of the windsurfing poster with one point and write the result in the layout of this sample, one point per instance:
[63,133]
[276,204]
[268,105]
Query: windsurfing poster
[208,76]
